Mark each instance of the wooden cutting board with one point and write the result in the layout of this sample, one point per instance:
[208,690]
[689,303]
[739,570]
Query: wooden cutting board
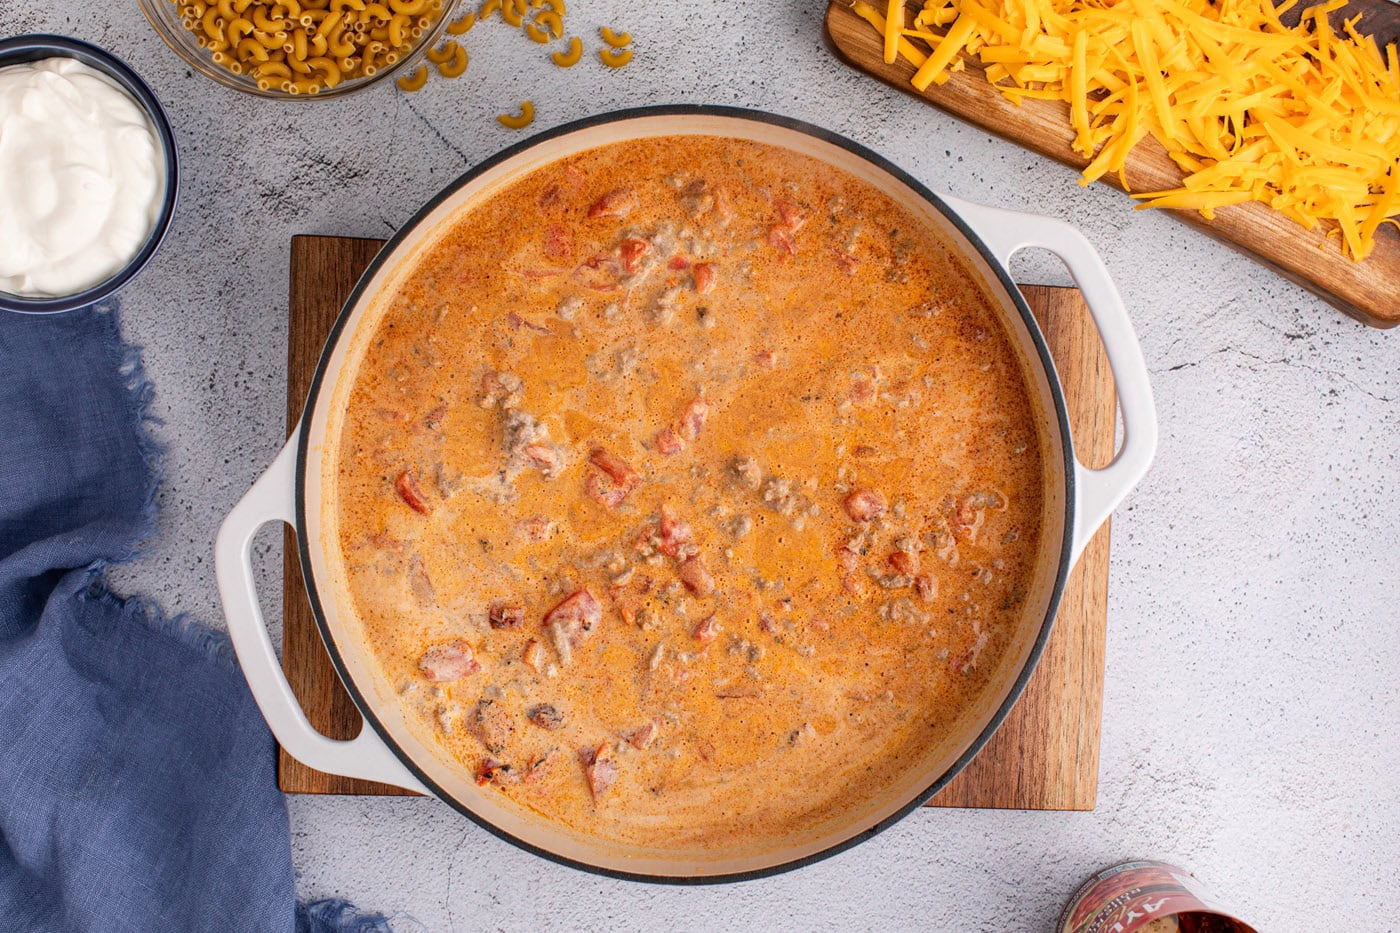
[1046,754]
[1368,291]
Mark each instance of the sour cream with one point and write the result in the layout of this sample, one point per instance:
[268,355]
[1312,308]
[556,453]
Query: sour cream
[82,178]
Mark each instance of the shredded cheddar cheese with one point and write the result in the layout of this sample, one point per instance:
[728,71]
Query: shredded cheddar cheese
[1305,118]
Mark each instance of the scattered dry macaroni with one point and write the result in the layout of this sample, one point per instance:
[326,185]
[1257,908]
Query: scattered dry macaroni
[307,46]
[552,21]
[615,58]
[416,81]
[570,58]
[527,115]
[442,55]
[542,21]
[1302,118]
[456,66]
[615,39]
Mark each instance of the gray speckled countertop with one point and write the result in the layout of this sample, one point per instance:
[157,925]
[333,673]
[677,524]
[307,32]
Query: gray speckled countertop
[1251,709]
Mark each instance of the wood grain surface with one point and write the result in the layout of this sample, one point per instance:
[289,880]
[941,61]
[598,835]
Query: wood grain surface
[1046,754]
[323,271]
[1368,291]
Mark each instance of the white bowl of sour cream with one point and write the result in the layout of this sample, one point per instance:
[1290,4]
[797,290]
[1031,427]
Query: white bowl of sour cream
[88,174]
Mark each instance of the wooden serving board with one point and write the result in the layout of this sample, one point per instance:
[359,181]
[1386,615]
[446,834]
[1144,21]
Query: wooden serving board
[1368,291]
[1046,754]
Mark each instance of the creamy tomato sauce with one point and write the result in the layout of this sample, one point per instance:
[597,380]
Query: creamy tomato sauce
[687,492]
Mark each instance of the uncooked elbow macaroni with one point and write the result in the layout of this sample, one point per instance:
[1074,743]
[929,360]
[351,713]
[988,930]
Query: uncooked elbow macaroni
[415,81]
[615,58]
[527,115]
[456,66]
[442,55]
[308,46]
[542,21]
[568,59]
[617,40]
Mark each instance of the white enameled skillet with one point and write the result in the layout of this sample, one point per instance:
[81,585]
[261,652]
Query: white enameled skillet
[1077,501]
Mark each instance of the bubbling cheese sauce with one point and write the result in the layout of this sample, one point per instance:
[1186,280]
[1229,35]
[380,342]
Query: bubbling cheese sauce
[687,493]
[82,178]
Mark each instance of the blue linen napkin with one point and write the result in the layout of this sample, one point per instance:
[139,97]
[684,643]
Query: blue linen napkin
[137,785]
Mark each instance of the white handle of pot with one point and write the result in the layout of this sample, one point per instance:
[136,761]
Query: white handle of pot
[1099,491]
[273,498]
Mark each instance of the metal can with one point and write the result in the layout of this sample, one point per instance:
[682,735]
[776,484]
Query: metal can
[1146,897]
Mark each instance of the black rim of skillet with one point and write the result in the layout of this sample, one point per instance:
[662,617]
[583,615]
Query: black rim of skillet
[753,116]
[21,49]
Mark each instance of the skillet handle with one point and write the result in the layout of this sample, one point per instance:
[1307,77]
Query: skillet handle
[1099,491]
[273,498]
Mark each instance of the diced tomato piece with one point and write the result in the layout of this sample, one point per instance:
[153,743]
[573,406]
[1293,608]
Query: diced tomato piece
[599,487]
[668,442]
[780,239]
[623,478]
[704,276]
[792,216]
[641,738]
[411,494]
[706,631]
[633,250]
[693,418]
[558,242]
[674,533]
[614,466]
[535,528]
[678,263]
[599,273]
[696,576]
[579,612]
[618,202]
[846,261]
[543,456]
[905,563]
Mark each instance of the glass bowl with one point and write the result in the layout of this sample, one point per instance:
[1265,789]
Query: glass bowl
[168,17]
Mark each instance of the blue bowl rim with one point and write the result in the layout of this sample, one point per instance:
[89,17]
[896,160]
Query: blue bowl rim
[17,50]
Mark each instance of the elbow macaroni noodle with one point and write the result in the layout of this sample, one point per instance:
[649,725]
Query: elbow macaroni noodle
[570,58]
[415,81]
[308,46]
[615,58]
[456,66]
[357,38]
[511,121]
[442,55]
[617,40]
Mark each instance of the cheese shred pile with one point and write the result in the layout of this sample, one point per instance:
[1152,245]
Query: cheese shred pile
[1304,118]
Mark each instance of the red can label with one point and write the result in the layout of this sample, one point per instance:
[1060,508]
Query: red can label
[1129,896]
